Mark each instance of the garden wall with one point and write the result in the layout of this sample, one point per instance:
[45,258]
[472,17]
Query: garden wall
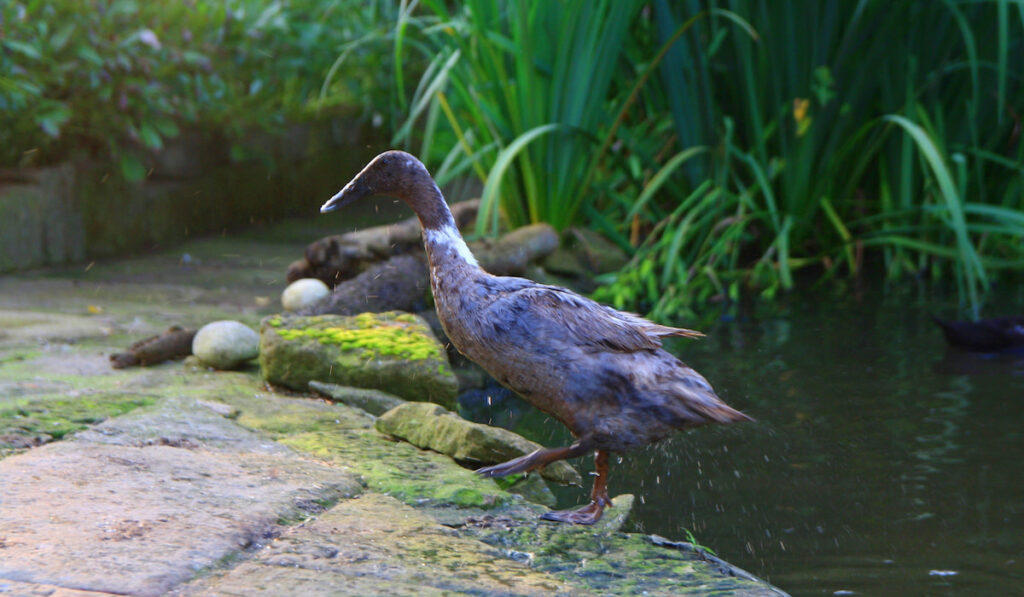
[80,210]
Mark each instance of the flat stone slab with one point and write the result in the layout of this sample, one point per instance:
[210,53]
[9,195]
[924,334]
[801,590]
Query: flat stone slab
[8,587]
[134,507]
[375,545]
[29,325]
[432,426]
[374,402]
[182,481]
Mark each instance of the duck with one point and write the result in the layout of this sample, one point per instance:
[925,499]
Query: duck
[999,334]
[601,372]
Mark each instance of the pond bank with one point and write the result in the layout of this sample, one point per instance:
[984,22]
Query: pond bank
[181,480]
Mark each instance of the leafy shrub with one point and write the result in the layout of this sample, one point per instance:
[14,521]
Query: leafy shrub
[113,78]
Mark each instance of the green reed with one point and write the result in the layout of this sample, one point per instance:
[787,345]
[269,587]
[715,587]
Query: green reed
[739,146]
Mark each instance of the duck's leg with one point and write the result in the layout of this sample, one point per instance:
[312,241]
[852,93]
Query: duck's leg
[590,513]
[533,461]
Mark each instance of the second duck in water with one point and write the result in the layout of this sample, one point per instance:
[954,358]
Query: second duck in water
[601,372]
[1001,334]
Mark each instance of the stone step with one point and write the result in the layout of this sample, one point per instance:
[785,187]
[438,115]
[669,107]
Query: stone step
[142,503]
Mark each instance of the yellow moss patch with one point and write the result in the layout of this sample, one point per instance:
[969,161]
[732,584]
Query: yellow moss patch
[400,336]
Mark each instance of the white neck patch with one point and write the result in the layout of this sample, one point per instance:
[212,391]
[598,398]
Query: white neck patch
[448,237]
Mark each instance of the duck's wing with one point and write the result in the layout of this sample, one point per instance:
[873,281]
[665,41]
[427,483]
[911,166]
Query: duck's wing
[584,321]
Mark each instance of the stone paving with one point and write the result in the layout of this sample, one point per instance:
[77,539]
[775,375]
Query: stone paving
[179,480]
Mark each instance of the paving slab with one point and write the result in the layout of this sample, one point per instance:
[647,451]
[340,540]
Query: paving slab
[24,589]
[178,480]
[376,545]
[141,504]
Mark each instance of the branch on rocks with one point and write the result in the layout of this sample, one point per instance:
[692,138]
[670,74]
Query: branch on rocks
[175,343]
[510,254]
[339,257]
[401,282]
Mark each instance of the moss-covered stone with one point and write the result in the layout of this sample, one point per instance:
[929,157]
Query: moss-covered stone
[343,435]
[49,363]
[431,426]
[416,477]
[565,262]
[34,420]
[597,252]
[603,561]
[375,545]
[281,416]
[393,352]
[534,489]
[372,401]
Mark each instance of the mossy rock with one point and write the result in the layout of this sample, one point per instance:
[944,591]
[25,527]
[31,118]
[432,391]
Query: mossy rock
[344,436]
[374,402]
[565,262]
[393,352]
[533,489]
[416,477]
[29,421]
[430,426]
[598,253]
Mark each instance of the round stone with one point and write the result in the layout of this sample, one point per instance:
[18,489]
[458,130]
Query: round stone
[303,293]
[225,344]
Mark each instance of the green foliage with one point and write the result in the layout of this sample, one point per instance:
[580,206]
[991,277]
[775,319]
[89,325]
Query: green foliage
[531,85]
[820,103]
[832,128]
[118,78]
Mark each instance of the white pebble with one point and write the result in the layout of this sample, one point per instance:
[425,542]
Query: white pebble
[303,293]
[225,344]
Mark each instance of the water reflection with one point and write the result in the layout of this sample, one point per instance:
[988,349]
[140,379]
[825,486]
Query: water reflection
[881,463]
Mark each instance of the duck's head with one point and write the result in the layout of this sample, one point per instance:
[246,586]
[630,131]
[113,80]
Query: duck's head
[393,173]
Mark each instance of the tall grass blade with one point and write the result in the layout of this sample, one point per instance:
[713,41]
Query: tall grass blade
[489,198]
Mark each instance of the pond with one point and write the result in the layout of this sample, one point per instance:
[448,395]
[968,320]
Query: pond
[881,462]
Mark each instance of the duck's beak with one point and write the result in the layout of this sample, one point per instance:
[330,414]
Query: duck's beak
[350,193]
[342,198]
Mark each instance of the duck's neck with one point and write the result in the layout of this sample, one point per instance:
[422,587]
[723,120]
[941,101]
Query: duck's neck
[446,249]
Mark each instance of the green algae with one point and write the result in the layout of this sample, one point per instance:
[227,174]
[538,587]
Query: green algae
[372,401]
[431,426]
[344,436]
[369,335]
[413,476]
[283,416]
[376,545]
[586,559]
[34,420]
[531,487]
[616,563]
[392,352]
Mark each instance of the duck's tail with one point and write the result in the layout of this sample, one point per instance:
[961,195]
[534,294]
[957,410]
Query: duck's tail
[664,331]
[697,403]
[722,413]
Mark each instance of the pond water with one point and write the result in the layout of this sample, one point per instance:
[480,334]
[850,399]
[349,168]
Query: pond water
[881,462]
